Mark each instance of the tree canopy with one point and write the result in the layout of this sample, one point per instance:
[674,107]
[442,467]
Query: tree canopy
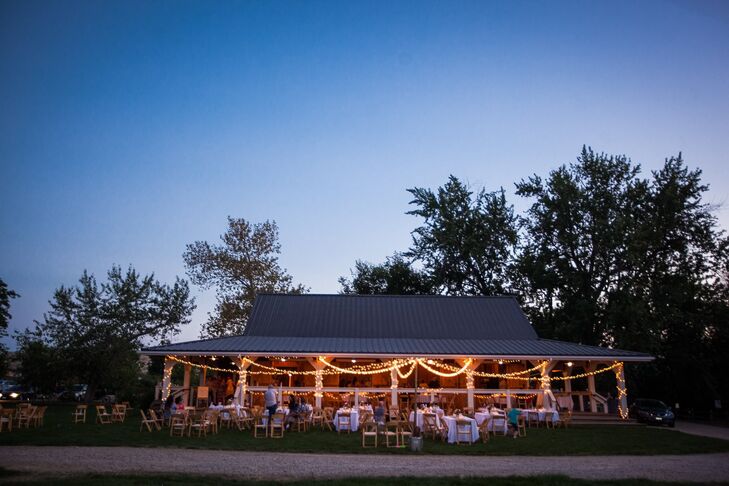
[466,240]
[243,265]
[5,295]
[395,276]
[603,256]
[93,331]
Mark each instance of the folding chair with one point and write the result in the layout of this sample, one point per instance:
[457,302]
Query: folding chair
[484,430]
[178,425]
[463,431]
[79,415]
[344,420]
[6,418]
[118,413]
[521,425]
[392,429]
[148,422]
[369,429]
[158,421]
[259,424]
[277,425]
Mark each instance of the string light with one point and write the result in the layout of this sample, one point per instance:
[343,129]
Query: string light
[445,375]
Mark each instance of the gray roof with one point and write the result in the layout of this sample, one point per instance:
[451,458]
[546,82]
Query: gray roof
[388,317]
[391,326]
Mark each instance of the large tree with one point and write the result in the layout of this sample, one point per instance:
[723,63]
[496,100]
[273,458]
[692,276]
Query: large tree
[5,295]
[243,265]
[93,331]
[466,240]
[610,258]
[396,276]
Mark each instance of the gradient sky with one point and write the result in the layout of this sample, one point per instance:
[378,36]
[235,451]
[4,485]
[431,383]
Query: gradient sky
[128,130]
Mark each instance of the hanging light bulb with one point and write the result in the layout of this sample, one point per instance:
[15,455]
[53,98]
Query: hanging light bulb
[501,361]
[569,363]
[354,361]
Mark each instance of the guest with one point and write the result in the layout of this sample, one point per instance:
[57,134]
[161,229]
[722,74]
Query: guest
[380,413]
[167,413]
[271,400]
[229,388]
[513,415]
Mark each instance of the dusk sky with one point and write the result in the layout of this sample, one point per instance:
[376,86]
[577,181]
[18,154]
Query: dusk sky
[129,129]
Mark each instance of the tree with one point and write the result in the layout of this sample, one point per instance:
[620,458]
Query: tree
[95,330]
[5,296]
[245,264]
[466,241]
[395,276]
[609,258]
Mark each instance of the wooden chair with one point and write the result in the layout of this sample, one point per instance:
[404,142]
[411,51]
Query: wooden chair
[38,416]
[549,420]
[392,430]
[21,413]
[369,429]
[259,424]
[200,423]
[498,424]
[6,419]
[277,425]
[406,431]
[317,417]
[212,422]
[565,420]
[366,417]
[344,420]
[226,418]
[521,425]
[178,425]
[430,425]
[532,418]
[444,431]
[102,416]
[79,415]
[146,421]
[118,413]
[483,429]
[127,407]
[329,418]
[394,414]
[463,431]
[158,421]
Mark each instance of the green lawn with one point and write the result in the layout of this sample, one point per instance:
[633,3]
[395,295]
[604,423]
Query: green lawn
[583,440]
[102,480]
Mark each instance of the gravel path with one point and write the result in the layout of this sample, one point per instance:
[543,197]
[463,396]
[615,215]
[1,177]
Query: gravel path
[268,465]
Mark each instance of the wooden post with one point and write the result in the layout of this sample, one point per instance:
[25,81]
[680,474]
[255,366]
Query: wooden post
[318,380]
[591,388]
[186,385]
[167,378]
[393,388]
[622,391]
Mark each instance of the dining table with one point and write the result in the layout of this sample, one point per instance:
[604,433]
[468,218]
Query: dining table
[450,420]
[353,419]
[417,418]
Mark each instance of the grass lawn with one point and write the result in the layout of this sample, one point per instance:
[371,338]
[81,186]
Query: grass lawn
[579,440]
[8,477]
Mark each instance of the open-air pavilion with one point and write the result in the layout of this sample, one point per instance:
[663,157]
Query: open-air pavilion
[459,352]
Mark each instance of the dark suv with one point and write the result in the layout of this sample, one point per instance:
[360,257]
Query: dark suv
[651,411]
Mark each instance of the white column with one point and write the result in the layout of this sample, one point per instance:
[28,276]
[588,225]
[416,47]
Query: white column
[167,378]
[622,391]
[508,398]
[186,385]
[356,398]
[393,388]
[469,388]
[591,388]
[546,382]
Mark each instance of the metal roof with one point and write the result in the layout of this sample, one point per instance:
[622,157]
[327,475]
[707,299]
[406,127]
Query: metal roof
[333,346]
[335,325]
[388,317]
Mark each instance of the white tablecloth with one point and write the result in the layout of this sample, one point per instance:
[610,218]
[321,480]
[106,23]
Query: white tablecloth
[353,418]
[542,414]
[285,411]
[451,421]
[565,402]
[481,416]
[419,419]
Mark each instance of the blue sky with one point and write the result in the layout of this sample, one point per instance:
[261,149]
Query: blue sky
[130,129]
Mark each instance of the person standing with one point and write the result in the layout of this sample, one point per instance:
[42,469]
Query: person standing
[271,399]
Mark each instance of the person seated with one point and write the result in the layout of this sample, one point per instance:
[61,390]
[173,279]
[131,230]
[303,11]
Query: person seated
[294,411]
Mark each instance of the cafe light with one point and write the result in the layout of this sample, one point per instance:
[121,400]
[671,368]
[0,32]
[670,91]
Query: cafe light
[570,363]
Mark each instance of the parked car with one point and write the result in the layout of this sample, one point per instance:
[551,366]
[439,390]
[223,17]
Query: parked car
[17,392]
[651,411]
